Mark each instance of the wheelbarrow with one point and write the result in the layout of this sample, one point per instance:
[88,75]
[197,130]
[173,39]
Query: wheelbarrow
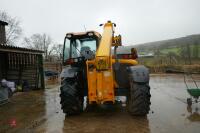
[193,92]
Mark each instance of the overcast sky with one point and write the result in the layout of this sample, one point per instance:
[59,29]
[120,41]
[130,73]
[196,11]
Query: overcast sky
[138,21]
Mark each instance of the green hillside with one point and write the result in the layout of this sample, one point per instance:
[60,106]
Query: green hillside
[177,46]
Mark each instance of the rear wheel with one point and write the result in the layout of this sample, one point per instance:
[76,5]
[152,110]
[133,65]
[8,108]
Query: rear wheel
[139,99]
[71,97]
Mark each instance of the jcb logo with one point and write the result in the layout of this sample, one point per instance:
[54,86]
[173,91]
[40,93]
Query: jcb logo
[102,64]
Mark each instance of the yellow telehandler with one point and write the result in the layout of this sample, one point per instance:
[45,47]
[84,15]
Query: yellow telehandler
[90,69]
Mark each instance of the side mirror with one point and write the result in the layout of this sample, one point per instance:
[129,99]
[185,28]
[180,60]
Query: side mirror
[134,53]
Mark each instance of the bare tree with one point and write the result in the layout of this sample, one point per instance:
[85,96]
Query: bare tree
[172,57]
[57,50]
[196,49]
[157,52]
[158,56]
[39,42]
[13,30]
[183,53]
[189,53]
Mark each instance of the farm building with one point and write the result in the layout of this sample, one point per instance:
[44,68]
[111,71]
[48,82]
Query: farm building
[20,64]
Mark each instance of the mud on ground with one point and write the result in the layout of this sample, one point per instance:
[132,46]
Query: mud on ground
[39,111]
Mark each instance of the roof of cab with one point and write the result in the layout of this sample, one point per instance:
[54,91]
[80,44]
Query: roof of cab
[84,33]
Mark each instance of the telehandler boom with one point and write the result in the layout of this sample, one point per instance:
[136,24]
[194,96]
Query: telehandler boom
[91,70]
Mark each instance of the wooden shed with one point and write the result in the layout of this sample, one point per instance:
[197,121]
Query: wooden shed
[22,65]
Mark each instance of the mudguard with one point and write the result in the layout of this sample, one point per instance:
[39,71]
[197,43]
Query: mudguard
[139,74]
[69,72]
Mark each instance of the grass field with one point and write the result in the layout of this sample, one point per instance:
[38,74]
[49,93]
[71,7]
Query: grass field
[177,50]
[168,50]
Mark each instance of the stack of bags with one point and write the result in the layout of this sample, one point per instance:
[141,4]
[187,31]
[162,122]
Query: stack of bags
[7,89]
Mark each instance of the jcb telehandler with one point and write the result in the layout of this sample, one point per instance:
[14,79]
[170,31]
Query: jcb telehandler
[90,69]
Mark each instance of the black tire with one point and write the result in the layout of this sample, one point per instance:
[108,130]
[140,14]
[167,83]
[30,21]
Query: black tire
[139,99]
[71,97]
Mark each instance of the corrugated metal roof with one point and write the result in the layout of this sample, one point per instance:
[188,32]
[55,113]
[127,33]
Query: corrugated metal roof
[8,48]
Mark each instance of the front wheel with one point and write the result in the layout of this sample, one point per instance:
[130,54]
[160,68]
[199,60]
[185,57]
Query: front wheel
[139,99]
[71,97]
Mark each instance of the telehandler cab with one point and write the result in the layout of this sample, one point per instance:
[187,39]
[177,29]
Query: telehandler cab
[90,69]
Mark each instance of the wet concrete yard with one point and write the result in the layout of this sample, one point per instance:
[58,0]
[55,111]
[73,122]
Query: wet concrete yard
[39,111]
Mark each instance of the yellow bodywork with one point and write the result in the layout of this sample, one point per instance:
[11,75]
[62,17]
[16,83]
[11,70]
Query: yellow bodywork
[100,75]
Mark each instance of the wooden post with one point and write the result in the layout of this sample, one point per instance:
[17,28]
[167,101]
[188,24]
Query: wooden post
[41,71]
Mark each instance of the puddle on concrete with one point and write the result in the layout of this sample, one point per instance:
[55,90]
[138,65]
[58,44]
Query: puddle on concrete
[169,104]
[39,111]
